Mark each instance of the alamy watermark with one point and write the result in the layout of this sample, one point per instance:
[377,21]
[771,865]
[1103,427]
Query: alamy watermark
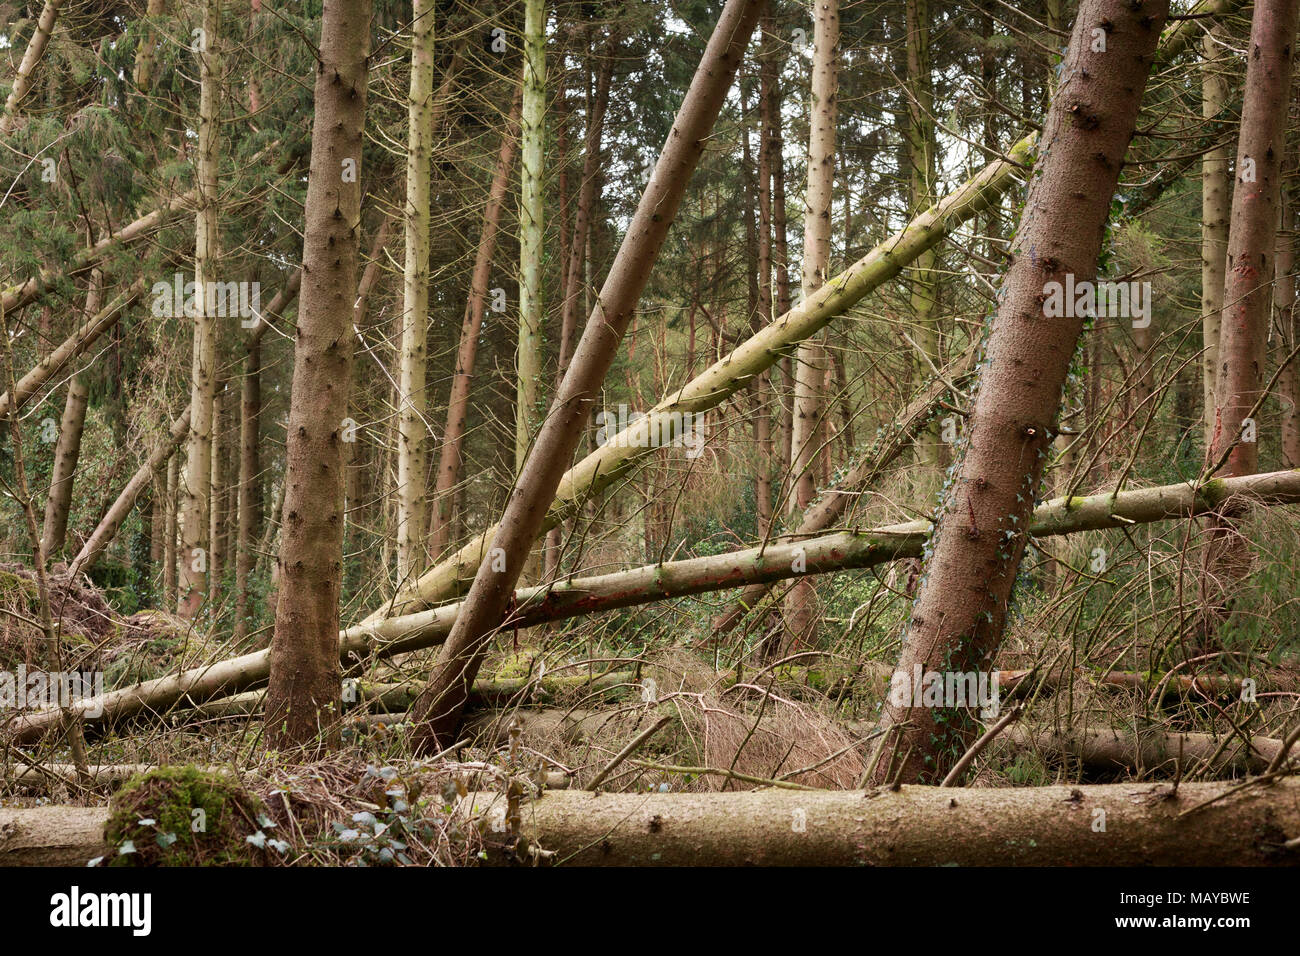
[665,429]
[22,689]
[1123,300]
[215,299]
[945,689]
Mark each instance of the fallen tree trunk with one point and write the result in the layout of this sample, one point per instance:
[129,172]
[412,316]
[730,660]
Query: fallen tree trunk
[1109,750]
[922,826]
[1128,824]
[579,596]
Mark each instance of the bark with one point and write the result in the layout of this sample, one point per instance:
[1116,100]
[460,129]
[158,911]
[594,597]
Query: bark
[412,402]
[1214,218]
[108,525]
[604,466]
[811,359]
[304,691]
[1247,297]
[910,826]
[440,707]
[1284,293]
[1253,233]
[70,348]
[250,473]
[581,596]
[449,456]
[961,605]
[195,531]
[1111,751]
[27,68]
[921,826]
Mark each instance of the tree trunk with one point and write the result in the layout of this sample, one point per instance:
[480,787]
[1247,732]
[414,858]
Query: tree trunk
[1214,218]
[1122,824]
[1247,296]
[532,136]
[449,456]
[195,543]
[961,605]
[412,402]
[169,534]
[27,68]
[440,707]
[303,698]
[1288,385]
[922,150]
[810,360]
[142,74]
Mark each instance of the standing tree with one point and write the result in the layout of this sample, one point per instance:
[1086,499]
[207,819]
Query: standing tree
[303,697]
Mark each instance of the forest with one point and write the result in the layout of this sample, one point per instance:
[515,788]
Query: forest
[442,433]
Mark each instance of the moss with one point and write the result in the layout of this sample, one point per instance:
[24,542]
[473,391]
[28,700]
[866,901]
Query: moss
[184,816]
[13,586]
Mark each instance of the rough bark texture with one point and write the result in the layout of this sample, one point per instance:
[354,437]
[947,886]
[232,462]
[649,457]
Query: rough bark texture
[1288,384]
[440,708]
[532,135]
[1247,295]
[976,550]
[1110,751]
[922,826]
[197,480]
[912,826]
[304,692]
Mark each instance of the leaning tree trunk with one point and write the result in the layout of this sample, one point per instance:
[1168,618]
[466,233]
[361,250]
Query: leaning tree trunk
[197,481]
[303,698]
[810,360]
[1247,295]
[439,708]
[411,398]
[961,605]
[27,68]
